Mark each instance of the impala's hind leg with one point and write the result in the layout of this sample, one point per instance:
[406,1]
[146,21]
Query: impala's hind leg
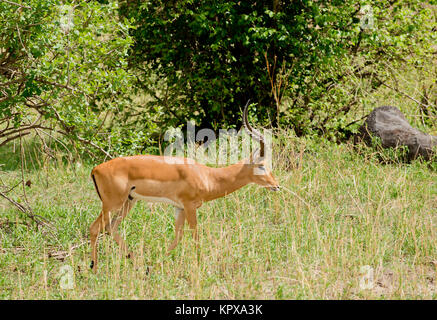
[112,227]
[105,223]
[179,228]
[95,229]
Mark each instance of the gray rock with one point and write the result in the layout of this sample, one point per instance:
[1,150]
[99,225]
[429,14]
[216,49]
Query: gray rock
[390,125]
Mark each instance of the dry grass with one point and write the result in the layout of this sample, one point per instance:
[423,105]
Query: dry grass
[339,211]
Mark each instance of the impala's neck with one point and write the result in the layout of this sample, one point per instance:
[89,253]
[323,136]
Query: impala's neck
[226,180]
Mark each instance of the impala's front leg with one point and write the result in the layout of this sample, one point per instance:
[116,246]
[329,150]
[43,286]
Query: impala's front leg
[179,228]
[190,213]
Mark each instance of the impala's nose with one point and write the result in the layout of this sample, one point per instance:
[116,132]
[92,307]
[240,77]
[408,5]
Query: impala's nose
[275,188]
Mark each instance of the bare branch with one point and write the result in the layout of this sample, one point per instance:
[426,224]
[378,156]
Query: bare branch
[14,137]
[401,92]
[83,140]
[38,219]
[16,4]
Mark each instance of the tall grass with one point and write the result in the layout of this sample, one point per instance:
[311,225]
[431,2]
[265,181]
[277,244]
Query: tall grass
[339,211]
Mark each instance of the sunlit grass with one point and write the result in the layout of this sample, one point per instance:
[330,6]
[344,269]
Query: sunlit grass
[339,210]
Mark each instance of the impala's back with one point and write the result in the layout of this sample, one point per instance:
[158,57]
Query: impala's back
[148,177]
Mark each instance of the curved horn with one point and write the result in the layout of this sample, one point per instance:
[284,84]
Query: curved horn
[253,132]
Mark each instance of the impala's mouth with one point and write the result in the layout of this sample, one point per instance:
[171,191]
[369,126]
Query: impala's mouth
[276,188]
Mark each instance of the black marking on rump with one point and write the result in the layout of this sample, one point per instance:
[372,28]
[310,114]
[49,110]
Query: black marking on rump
[129,196]
[95,185]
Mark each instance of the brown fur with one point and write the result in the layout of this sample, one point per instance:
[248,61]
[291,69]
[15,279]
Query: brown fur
[188,184]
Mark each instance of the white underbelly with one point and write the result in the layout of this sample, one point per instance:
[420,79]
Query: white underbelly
[155,199]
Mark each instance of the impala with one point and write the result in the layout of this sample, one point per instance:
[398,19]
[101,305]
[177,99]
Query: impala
[182,182]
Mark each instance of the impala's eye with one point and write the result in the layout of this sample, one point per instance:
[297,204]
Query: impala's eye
[262,168]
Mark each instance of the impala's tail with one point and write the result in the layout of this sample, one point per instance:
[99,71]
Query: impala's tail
[95,185]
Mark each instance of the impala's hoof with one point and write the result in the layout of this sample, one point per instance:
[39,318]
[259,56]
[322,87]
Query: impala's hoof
[92,264]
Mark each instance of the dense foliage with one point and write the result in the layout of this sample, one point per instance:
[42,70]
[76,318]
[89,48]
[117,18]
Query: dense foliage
[210,57]
[114,75]
[61,66]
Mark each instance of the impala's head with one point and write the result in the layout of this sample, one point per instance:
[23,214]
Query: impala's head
[261,174]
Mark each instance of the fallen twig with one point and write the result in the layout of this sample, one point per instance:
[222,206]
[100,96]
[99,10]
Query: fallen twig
[63,254]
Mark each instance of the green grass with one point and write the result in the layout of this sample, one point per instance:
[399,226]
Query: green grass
[339,210]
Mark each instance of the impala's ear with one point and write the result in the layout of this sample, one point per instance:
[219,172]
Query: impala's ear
[255,157]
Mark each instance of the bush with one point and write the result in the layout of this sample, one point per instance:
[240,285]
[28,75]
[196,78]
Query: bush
[203,60]
[61,66]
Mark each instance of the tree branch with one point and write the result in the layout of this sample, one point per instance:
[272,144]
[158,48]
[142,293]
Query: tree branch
[16,4]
